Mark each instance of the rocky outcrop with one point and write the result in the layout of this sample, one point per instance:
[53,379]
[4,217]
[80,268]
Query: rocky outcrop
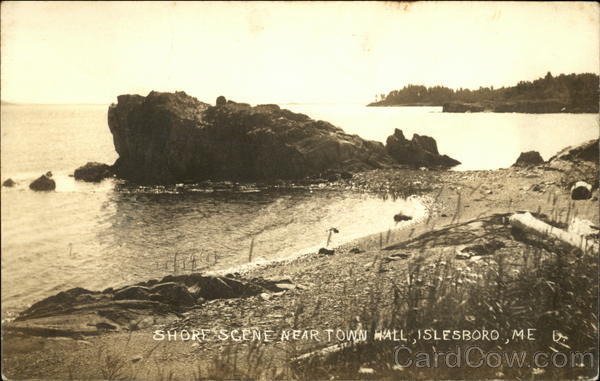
[528,159]
[43,183]
[83,312]
[421,151]
[173,137]
[93,172]
[588,151]
[577,163]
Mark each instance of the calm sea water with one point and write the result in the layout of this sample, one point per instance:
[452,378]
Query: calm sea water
[101,235]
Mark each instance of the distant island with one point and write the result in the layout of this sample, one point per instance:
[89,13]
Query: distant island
[567,93]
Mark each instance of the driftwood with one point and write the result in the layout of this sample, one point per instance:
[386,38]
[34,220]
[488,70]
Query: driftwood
[529,224]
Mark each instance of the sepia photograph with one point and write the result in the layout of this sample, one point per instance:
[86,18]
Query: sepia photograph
[271,190]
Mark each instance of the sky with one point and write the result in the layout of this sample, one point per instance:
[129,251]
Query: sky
[276,52]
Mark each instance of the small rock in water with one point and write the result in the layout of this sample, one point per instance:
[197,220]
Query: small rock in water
[93,172]
[326,251]
[9,183]
[401,217]
[43,183]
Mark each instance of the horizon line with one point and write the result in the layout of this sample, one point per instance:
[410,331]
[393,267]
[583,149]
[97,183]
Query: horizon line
[13,103]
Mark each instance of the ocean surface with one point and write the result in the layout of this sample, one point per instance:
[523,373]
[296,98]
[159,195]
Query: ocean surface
[101,235]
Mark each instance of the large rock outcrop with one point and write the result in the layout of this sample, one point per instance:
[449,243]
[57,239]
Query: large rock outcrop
[79,311]
[173,137]
[588,151]
[577,163]
[421,151]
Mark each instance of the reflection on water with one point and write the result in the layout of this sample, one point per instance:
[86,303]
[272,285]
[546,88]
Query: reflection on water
[109,236]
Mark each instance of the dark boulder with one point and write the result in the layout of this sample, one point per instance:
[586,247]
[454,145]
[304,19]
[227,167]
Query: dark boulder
[421,151]
[581,191]
[326,251]
[93,172]
[173,137]
[43,183]
[9,183]
[529,159]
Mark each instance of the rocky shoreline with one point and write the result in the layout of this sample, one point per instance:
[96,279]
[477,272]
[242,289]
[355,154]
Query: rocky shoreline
[526,107]
[175,139]
[318,290]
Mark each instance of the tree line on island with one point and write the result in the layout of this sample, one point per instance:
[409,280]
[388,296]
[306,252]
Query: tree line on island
[573,93]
